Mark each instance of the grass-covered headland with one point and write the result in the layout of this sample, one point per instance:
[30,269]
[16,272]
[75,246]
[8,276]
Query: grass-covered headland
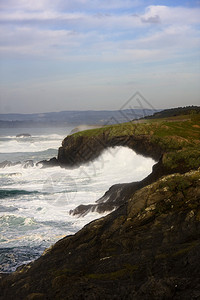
[148,248]
[177,138]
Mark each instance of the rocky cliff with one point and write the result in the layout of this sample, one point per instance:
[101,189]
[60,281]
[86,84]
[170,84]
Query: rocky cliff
[175,139]
[149,247]
[173,142]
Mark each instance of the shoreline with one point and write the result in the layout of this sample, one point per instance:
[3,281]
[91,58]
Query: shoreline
[149,246]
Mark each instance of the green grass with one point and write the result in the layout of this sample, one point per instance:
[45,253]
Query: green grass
[178,137]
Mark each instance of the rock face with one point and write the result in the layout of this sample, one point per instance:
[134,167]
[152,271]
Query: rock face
[149,248]
[175,143]
[26,164]
[77,150]
[7,163]
[118,194]
[53,162]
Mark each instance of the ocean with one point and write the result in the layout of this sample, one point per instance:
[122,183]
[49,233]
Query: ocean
[35,202]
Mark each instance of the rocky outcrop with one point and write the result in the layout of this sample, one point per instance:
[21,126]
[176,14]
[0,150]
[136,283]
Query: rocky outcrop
[176,141]
[149,248]
[26,164]
[53,162]
[77,150]
[175,153]
[7,163]
[118,194]
[81,149]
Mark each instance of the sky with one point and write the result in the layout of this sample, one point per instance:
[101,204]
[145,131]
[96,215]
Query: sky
[96,54]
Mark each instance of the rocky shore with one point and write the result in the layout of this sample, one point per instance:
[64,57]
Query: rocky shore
[149,247]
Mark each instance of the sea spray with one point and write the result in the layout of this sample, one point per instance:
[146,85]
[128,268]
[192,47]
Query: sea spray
[40,198]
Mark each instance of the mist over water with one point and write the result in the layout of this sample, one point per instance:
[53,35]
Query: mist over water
[35,202]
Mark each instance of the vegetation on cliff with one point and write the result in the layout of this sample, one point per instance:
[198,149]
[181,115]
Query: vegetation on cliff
[176,139]
[148,248]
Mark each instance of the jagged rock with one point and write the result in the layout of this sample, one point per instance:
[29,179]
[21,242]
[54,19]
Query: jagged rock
[5,163]
[28,164]
[119,193]
[8,163]
[48,163]
[82,210]
[148,248]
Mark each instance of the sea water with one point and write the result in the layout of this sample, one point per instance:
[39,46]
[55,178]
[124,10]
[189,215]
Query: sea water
[35,202]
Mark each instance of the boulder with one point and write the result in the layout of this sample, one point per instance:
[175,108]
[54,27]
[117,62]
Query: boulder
[53,162]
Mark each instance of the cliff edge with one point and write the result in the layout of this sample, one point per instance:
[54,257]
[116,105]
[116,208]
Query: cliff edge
[148,248]
[174,142]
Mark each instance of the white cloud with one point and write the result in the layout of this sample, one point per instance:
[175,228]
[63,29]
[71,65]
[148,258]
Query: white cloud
[172,15]
[50,30]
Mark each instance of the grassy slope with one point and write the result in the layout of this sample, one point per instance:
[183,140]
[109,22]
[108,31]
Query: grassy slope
[178,137]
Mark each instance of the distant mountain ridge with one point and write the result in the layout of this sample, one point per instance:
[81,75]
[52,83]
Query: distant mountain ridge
[173,112]
[75,118]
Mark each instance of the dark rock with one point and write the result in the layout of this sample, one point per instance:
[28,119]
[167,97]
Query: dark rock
[148,248]
[28,164]
[8,163]
[82,210]
[5,163]
[53,162]
[23,135]
[81,149]
[119,193]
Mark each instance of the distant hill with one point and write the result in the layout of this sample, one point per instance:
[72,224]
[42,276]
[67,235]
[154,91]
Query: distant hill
[173,112]
[74,118]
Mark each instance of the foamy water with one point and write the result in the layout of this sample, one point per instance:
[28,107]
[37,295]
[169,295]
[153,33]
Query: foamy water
[35,202]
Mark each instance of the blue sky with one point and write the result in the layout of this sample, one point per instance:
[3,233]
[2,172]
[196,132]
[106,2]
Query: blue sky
[95,54]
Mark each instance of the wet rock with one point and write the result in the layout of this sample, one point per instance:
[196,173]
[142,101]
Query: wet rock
[77,150]
[28,164]
[53,162]
[148,248]
[82,210]
[118,194]
[5,163]
[8,163]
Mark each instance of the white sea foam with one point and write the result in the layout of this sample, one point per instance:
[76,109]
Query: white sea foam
[42,218]
[30,144]
[61,190]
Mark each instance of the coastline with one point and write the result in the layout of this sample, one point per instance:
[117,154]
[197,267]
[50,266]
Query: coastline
[145,247]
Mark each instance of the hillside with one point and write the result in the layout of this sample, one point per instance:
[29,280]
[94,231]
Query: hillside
[174,112]
[71,118]
[149,247]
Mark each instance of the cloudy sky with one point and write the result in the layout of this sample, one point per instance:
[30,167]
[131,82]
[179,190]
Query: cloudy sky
[95,54]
